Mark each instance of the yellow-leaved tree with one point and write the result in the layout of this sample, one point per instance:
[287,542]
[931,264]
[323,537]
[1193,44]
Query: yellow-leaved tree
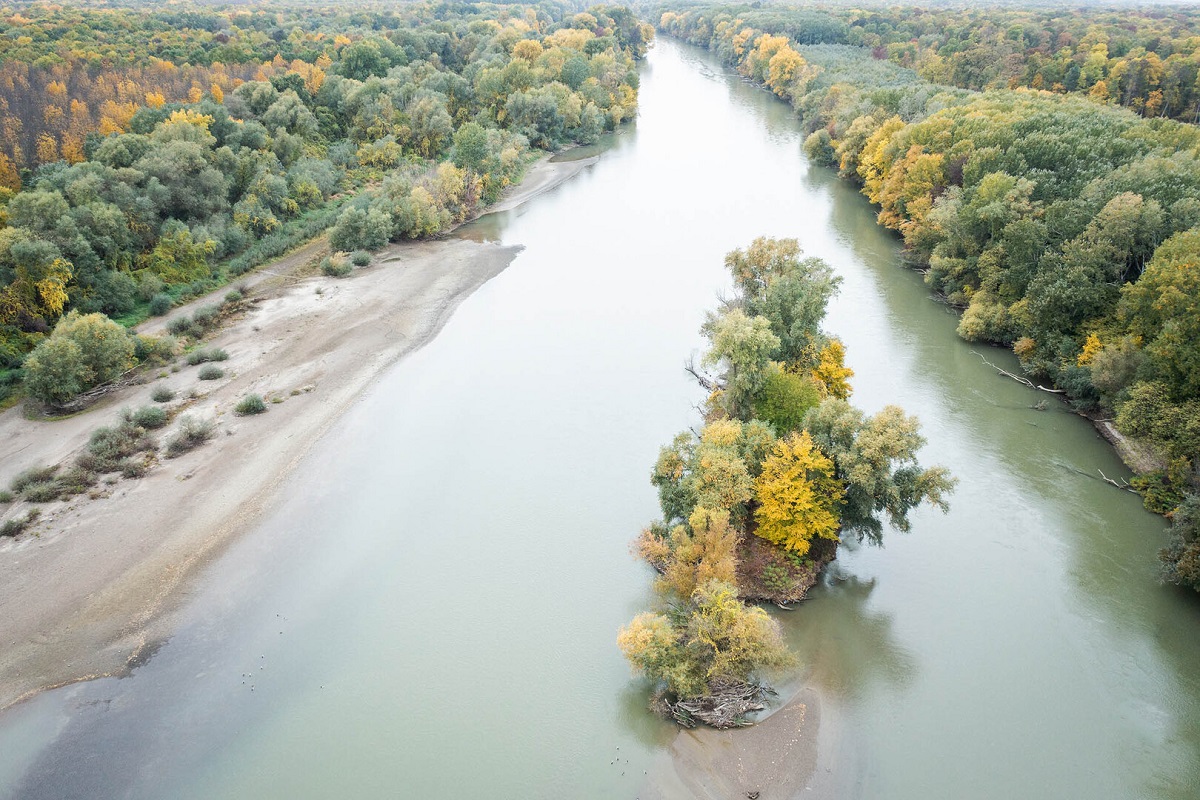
[831,373]
[798,496]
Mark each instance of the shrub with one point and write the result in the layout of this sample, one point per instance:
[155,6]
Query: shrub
[180,326]
[159,349]
[43,492]
[6,496]
[204,354]
[250,404]
[31,476]
[233,296]
[360,258]
[162,394]
[336,266]
[205,317]
[134,467]
[211,372]
[108,448]
[160,304]
[192,433]
[149,417]
[76,480]
[16,525]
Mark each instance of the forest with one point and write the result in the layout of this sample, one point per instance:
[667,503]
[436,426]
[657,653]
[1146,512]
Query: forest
[151,155]
[1064,224]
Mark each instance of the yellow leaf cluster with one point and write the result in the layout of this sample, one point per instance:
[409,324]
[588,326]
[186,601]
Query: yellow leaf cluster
[798,496]
[1091,347]
[831,373]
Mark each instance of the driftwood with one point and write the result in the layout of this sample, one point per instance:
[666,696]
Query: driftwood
[1019,378]
[84,399]
[725,706]
[1123,484]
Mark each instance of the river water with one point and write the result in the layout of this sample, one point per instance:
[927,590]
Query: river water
[431,609]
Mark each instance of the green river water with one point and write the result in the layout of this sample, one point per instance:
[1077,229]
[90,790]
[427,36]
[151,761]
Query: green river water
[430,611]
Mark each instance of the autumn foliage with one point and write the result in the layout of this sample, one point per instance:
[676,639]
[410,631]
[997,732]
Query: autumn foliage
[810,470]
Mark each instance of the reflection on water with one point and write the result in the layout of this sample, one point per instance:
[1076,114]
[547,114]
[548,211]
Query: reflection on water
[431,610]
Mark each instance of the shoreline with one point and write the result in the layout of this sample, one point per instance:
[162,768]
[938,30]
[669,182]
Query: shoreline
[87,590]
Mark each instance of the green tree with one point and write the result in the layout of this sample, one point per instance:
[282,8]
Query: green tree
[1181,558]
[83,351]
[471,147]
[876,459]
[742,347]
[1163,308]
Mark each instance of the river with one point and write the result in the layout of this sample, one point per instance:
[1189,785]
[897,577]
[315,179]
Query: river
[430,609]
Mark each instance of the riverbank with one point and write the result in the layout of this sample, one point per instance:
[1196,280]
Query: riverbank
[94,580]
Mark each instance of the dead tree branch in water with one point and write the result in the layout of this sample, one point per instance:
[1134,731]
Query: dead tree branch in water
[1123,484]
[1018,378]
[705,381]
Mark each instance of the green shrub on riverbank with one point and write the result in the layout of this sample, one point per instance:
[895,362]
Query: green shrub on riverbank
[250,404]
[17,525]
[192,433]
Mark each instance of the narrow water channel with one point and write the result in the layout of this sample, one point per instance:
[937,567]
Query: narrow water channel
[430,610]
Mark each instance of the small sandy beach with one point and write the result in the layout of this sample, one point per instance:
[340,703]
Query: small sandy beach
[93,581]
[784,756]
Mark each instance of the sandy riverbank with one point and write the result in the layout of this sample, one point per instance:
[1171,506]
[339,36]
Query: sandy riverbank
[95,579]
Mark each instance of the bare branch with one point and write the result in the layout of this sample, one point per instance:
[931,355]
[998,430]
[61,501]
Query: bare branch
[1018,378]
[700,377]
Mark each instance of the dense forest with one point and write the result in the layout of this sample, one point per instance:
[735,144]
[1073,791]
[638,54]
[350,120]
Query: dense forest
[150,155]
[755,502]
[1064,225]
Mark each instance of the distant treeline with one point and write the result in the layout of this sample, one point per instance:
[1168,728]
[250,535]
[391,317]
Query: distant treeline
[1145,58]
[434,106]
[1066,228]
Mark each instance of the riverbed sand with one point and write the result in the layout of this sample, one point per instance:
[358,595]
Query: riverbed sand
[92,583]
[777,759]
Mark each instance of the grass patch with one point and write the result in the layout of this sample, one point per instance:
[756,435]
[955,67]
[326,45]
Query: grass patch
[210,372]
[204,354]
[110,449]
[149,417]
[31,477]
[336,265]
[250,404]
[192,433]
[16,525]
[42,492]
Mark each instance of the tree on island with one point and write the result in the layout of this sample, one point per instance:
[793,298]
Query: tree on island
[755,503]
